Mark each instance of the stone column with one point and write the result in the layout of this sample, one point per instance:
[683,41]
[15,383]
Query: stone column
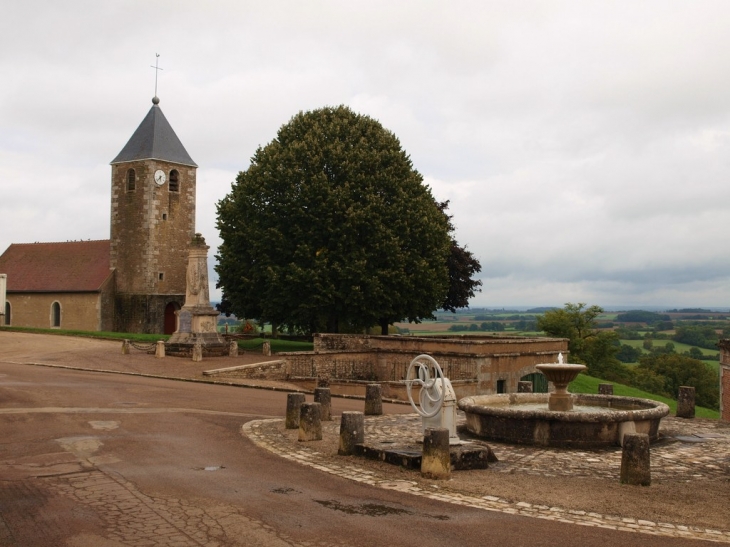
[373,400]
[125,347]
[524,387]
[635,460]
[160,349]
[310,422]
[232,347]
[436,459]
[686,402]
[294,401]
[605,389]
[266,348]
[323,396]
[352,432]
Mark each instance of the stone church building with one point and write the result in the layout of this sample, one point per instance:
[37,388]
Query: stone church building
[132,282]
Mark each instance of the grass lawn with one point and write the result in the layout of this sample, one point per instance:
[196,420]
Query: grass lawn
[94,334]
[588,384]
[276,345]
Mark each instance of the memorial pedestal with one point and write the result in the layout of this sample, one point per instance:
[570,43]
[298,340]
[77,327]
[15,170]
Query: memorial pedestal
[197,320]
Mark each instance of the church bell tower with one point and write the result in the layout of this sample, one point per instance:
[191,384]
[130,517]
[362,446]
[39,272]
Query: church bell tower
[152,225]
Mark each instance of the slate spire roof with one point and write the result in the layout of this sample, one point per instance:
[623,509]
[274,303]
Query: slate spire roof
[155,139]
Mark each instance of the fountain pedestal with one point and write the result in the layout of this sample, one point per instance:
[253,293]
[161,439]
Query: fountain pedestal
[560,374]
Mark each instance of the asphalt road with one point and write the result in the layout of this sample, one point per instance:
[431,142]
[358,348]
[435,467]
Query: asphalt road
[93,459]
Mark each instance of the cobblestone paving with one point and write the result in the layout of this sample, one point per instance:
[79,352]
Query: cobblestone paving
[704,455]
[132,518]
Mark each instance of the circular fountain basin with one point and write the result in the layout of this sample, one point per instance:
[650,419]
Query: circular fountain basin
[595,421]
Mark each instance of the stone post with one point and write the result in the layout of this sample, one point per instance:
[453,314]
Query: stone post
[160,349]
[605,389]
[294,402]
[323,396]
[310,422]
[125,347]
[352,432]
[635,460]
[436,460]
[266,348]
[197,352]
[232,348]
[373,400]
[524,387]
[686,402]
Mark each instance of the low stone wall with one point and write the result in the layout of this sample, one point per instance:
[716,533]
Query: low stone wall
[475,366]
[268,370]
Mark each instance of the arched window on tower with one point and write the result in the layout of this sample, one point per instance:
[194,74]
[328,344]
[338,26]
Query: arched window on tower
[55,315]
[131,176]
[174,181]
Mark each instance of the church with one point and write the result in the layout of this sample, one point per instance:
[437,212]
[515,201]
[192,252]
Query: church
[132,282]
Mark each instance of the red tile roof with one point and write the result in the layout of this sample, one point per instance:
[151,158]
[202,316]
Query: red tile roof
[74,266]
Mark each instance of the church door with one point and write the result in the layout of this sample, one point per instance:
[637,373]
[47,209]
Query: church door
[170,318]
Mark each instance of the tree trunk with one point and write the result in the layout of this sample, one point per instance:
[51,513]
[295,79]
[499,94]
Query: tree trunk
[384,327]
[333,324]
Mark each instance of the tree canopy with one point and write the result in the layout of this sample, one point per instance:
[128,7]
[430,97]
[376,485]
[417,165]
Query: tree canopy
[674,371]
[331,227]
[596,349]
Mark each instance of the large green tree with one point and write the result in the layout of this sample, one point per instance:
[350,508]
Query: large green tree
[463,266]
[332,226]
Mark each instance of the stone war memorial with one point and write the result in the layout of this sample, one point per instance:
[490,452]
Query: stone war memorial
[197,320]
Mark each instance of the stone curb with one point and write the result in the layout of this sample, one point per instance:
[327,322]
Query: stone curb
[261,434]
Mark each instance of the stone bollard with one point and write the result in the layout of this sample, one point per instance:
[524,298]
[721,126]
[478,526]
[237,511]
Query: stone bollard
[352,432]
[160,349]
[373,400]
[635,460]
[197,352]
[125,347]
[605,389]
[232,348]
[294,402]
[686,402]
[266,348]
[323,396]
[436,460]
[310,422]
[524,387]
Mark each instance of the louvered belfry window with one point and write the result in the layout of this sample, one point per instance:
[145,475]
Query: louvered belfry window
[174,181]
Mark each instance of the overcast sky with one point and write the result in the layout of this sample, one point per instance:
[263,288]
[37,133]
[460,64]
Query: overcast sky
[585,146]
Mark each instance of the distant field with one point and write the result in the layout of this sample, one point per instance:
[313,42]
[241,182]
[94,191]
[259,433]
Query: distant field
[679,347]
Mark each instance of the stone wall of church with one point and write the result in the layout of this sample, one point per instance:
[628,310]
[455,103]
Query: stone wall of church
[79,311]
[143,313]
[151,228]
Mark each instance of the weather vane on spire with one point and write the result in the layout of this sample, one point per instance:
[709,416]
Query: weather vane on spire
[157,71]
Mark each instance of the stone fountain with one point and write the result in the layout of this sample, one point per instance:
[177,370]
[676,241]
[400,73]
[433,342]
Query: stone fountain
[560,374]
[561,418]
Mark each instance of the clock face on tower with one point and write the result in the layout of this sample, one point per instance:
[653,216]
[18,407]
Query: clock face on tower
[160,177]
